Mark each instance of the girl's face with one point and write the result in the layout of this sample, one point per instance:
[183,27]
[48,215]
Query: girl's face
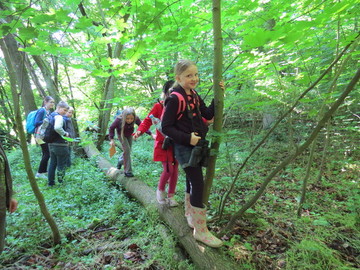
[69,113]
[129,119]
[189,78]
[50,104]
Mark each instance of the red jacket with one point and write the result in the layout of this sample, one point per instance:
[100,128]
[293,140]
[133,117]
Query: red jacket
[159,153]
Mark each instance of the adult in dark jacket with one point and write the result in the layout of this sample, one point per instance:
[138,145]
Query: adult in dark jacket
[7,202]
[58,146]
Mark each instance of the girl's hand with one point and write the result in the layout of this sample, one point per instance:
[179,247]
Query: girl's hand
[153,136]
[13,205]
[222,85]
[194,139]
[112,143]
[137,134]
[209,122]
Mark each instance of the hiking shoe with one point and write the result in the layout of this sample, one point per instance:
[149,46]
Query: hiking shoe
[41,175]
[119,165]
[129,174]
[172,202]
[160,196]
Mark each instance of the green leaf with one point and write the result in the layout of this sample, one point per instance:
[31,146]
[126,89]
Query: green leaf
[321,222]
[83,23]
[34,50]
[4,30]
[257,38]
[43,18]
[28,33]
[100,73]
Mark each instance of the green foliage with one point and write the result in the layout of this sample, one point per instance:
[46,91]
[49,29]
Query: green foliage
[310,254]
[84,205]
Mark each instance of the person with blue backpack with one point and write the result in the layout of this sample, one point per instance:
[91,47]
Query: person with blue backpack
[44,111]
[58,146]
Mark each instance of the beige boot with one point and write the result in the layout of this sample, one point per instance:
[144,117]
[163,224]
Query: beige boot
[188,210]
[201,232]
[171,200]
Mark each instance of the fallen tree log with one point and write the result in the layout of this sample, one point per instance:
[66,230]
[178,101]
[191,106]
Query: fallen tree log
[203,257]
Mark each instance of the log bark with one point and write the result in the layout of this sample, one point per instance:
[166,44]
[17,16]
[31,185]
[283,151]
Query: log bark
[202,256]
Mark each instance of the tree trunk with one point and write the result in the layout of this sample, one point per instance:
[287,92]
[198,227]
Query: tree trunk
[34,77]
[22,76]
[47,73]
[203,257]
[218,97]
[6,109]
[25,151]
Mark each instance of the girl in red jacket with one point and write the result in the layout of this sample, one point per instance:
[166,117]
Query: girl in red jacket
[166,156]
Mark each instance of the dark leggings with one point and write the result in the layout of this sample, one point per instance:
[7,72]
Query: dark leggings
[195,185]
[45,158]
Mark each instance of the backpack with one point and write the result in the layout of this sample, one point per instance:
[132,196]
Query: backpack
[41,130]
[182,103]
[30,122]
[46,130]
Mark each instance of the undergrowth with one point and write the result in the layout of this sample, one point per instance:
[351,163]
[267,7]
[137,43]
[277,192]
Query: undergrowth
[103,228]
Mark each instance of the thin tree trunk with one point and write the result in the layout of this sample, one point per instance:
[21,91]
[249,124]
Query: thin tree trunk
[306,178]
[25,151]
[324,152]
[218,98]
[297,152]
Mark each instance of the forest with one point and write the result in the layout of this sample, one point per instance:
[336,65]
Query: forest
[282,185]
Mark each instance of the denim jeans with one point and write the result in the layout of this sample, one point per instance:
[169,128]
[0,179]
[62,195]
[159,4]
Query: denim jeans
[59,156]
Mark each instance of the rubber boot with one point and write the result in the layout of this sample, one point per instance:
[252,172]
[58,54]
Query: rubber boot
[201,232]
[188,210]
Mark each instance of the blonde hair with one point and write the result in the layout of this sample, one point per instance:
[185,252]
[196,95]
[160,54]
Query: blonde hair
[180,67]
[126,112]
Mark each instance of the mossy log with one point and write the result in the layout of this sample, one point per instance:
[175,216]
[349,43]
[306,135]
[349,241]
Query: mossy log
[203,257]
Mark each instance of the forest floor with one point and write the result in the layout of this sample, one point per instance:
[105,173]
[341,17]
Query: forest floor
[103,228]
